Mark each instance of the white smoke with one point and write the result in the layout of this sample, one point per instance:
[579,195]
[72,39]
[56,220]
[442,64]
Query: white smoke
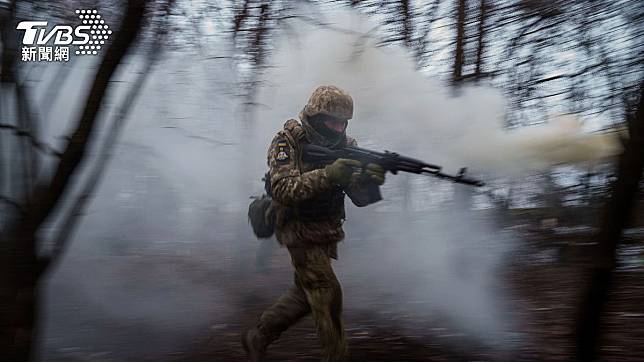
[435,262]
[396,105]
[185,153]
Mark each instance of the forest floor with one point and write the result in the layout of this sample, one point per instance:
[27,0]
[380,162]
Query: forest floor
[543,292]
[539,281]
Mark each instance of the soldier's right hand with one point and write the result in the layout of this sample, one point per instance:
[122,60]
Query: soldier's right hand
[340,171]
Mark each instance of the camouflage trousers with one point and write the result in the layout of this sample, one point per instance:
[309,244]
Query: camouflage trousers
[316,291]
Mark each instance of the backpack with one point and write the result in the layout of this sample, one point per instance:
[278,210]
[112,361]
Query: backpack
[261,212]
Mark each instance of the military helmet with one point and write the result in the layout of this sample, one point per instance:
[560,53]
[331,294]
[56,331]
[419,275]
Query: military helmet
[329,100]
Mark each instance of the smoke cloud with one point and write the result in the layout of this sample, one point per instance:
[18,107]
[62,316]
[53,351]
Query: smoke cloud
[397,106]
[178,187]
[422,264]
[444,259]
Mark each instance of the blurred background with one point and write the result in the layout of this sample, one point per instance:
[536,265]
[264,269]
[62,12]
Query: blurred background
[125,178]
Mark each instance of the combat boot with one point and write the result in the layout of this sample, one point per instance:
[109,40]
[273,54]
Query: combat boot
[254,344]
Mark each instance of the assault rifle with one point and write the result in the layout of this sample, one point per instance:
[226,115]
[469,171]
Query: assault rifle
[390,161]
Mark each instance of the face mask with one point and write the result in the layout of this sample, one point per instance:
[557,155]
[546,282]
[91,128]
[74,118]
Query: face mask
[333,131]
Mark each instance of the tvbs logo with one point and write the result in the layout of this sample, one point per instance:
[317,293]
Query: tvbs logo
[88,37]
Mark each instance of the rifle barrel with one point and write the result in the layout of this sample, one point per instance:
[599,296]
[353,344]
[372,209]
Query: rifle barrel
[390,161]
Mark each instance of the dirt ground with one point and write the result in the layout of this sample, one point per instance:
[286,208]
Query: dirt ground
[542,292]
[115,317]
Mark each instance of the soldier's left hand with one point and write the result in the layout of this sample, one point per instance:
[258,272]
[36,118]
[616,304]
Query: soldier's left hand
[375,173]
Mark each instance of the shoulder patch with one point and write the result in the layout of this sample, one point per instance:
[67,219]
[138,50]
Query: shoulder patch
[283,151]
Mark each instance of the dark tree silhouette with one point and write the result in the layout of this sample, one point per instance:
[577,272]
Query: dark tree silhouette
[459,52]
[21,266]
[616,215]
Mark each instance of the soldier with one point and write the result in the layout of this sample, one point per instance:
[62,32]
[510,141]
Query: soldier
[308,201]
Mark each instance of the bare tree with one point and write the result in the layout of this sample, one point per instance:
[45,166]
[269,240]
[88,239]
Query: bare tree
[254,26]
[459,53]
[616,215]
[22,266]
[480,39]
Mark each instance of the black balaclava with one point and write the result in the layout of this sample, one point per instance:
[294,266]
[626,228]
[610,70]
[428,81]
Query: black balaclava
[317,123]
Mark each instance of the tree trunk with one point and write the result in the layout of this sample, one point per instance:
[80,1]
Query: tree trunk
[407,25]
[9,43]
[480,40]
[616,215]
[18,293]
[20,265]
[457,70]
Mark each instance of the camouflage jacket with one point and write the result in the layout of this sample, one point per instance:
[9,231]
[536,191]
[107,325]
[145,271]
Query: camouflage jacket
[309,208]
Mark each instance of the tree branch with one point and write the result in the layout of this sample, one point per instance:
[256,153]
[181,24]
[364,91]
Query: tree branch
[100,165]
[11,203]
[37,144]
[571,75]
[46,196]
[203,138]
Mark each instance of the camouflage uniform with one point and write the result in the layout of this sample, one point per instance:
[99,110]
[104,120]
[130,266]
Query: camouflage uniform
[310,213]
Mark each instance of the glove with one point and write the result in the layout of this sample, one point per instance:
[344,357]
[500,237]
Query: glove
[340,171]
[375,173]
